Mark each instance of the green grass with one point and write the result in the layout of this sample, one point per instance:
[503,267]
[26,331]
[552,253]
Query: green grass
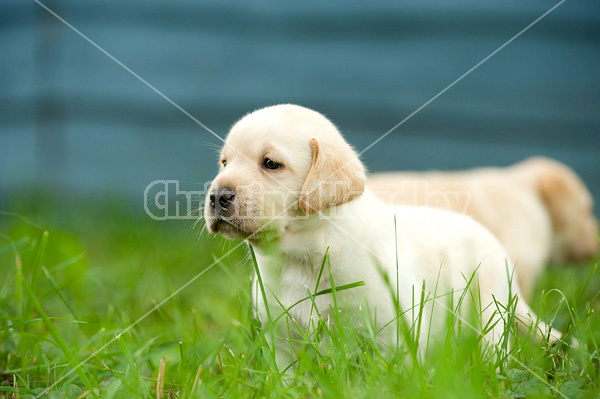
[88,270]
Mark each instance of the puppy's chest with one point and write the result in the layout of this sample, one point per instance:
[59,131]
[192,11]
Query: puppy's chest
[297,281]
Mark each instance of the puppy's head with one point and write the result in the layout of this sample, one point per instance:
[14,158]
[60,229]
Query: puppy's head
[570,206]
[279,164]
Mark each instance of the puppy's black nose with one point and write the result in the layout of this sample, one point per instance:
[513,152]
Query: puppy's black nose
[223,196]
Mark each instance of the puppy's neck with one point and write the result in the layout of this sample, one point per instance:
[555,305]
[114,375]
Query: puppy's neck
[306,240]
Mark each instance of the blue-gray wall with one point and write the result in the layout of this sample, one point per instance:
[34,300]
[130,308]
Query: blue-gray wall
[72,118]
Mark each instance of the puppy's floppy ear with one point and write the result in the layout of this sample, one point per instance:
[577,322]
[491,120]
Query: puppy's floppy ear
[336,176]
[555,192]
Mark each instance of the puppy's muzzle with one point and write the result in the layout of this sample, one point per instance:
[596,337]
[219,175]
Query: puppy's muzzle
[221,200]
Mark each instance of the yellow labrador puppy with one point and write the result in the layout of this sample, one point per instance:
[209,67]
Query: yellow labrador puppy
[539,209]
[294,189]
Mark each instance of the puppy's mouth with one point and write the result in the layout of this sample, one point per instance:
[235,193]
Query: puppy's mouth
[228,228]
[232,230]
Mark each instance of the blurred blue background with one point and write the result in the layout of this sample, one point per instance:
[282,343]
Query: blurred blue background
[73,120]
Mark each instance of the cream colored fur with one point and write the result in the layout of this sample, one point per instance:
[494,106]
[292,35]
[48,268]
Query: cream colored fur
[539,209]
[291,228]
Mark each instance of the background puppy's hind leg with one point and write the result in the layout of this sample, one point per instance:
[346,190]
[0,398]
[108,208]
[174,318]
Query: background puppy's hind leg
[527,319]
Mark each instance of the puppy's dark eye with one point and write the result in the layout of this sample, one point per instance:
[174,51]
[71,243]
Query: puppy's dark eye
[224,162]
[270,164]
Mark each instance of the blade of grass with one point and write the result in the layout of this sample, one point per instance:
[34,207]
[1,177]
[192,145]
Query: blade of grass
[23,323]
[37,255]
[264,297]
[317,284]
[160,380]
[67,263]
[21,308]
[12,245]
[38,259]
[336,318]
[397,298]
[59,292]
[196,380]
[57,337]
[132,366]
